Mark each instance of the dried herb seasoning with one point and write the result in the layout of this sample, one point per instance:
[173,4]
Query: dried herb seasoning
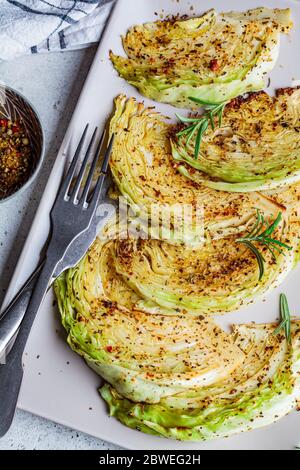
[16,158]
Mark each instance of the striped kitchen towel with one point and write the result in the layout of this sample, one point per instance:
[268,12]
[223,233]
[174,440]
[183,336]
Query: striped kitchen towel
[32,26]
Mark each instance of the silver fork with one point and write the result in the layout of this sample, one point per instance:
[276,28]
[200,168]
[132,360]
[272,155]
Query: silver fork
[71,217]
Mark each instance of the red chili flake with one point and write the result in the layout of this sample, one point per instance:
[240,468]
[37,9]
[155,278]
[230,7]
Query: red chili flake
[15,129]
[214,65]
[109,349]
[3,122]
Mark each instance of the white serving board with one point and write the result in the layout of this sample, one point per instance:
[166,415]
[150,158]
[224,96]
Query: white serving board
[57,384]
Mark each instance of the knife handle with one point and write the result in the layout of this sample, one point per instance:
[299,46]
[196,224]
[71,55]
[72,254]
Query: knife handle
[14,312]
[11,373]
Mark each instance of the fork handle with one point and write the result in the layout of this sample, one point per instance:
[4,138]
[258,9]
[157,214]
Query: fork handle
[11,373]
[13,314]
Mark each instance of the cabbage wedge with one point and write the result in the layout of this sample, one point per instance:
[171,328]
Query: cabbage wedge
[219,277]
[214,57]
[256,148]
[143,171]
[263,389]
[177,375]
[158,277]
[145,357]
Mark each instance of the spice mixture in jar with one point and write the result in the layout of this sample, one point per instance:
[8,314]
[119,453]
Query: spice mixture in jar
[15,157]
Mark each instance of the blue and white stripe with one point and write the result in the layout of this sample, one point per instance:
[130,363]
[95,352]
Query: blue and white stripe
[32,26]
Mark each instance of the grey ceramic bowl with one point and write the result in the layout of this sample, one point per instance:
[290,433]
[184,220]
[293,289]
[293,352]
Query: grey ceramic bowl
[14,106]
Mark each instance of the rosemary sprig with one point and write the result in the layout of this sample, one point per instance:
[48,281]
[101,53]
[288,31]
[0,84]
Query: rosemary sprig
[285,318]
[199,125]
[262,234]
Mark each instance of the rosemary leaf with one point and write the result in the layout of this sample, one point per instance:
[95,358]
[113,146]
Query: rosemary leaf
[186,119]
[257,226]
[284,307]
[199,125]
[279,327]
[201,131]
[220,114]
[277,242]
[203,102]
[271,250]
[184,131]
[191,135]
[285,318]
[259,257]
[263,236]
[270,229]
[211,119]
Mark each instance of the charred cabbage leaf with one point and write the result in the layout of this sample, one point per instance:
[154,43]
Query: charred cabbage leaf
[176,375]
[145,175]
[145,357]
[218,277]
[214,57]
[158,277]
[256,148]
[264,388]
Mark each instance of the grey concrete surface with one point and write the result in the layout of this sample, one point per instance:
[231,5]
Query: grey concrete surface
[53,83]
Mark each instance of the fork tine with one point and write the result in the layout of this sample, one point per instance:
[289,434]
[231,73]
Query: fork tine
[105,162]
[70,173]
[74,192]
[88,183]
[102,176]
